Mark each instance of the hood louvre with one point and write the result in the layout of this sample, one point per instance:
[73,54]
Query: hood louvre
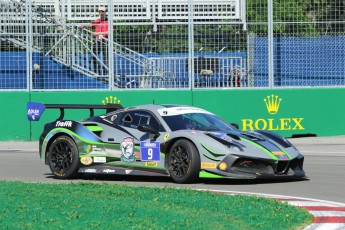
[233,136]
[253,137]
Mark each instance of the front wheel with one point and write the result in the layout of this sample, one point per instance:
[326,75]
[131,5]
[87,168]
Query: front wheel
[63,158]
[184,162]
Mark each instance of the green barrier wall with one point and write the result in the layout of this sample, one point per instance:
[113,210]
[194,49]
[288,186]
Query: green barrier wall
[292,111]
[13,122]
[286,111]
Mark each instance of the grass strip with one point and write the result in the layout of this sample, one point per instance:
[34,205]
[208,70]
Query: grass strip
[110,206]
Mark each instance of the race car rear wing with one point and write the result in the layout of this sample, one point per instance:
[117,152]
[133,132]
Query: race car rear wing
[35,110]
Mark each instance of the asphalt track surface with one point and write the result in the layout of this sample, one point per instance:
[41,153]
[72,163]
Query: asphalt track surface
[322,194]
[324,165]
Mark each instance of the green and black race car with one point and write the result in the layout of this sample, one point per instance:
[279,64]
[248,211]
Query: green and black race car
[178,141]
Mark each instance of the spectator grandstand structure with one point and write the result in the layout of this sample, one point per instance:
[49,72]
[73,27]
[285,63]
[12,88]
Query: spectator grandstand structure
[168,44]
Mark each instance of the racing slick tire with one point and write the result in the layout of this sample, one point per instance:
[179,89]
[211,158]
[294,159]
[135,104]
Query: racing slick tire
[184,162]
[63,158]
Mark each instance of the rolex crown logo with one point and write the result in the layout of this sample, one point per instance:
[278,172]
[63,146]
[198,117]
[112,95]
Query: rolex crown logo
[110,100]
[272,103]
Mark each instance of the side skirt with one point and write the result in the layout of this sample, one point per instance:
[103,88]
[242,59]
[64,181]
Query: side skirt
[118,170]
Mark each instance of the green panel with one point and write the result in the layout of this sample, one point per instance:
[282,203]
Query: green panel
[204,174]
[126,98]
[300,111]
[94,128]
[13,122]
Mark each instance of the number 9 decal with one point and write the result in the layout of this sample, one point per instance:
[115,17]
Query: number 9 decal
[150,151]
[150,154]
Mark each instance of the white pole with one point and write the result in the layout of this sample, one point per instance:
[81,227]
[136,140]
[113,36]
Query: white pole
[191,43]
[270,45]
[111,44]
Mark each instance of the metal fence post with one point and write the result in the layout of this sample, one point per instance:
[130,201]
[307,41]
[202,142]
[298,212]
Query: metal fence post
[29,44]
[111,44]
[191,44]
[270,45]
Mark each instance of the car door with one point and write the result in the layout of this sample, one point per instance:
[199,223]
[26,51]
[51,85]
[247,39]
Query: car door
[134,144]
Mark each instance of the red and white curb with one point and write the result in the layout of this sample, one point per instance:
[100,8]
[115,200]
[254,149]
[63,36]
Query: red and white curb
[328,215]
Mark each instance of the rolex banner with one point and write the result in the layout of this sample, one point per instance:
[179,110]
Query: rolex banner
[289,112]
[274,123]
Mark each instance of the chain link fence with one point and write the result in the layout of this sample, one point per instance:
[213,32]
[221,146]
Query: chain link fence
[171,44]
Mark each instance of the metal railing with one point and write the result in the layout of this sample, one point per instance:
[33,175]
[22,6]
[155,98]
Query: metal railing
[41,48]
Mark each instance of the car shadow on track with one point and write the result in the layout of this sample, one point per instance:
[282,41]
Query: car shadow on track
[157,179]
[248,181]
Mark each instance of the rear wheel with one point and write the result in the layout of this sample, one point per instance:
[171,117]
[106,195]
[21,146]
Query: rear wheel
[63,158]
[184,162]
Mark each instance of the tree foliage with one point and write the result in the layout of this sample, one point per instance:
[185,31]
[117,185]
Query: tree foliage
[291,18]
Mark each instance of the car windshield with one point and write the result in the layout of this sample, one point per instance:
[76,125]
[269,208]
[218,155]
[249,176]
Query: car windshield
[197,121]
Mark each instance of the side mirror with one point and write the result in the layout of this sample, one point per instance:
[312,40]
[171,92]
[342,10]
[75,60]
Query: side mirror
[148,129]
[235,125]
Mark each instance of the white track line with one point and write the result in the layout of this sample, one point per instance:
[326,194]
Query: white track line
[328,215]
[328,226]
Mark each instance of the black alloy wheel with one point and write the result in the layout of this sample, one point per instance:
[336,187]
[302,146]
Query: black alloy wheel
[184,162]
[63,158]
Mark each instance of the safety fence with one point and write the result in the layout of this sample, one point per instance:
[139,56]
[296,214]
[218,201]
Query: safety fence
[171,44]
